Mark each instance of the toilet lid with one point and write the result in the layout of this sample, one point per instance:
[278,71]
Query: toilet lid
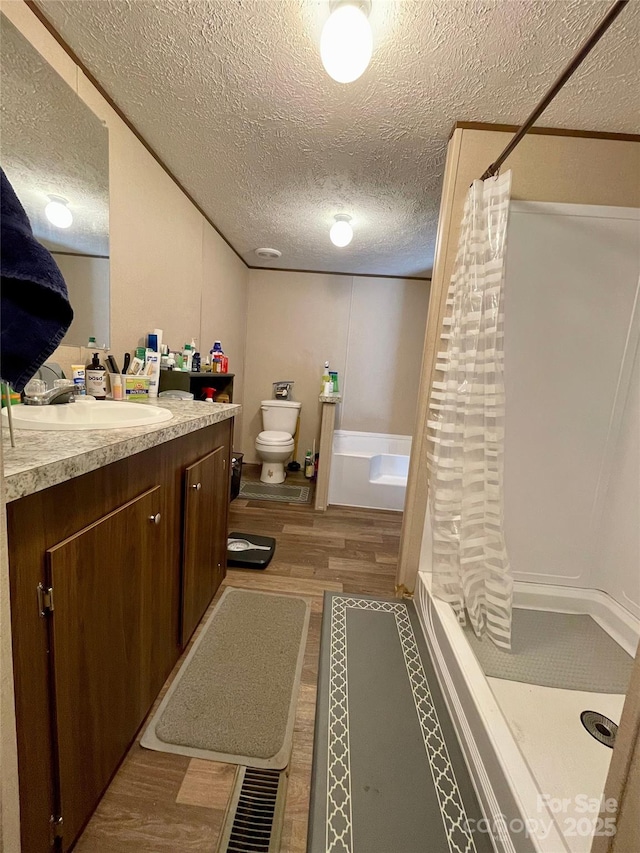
[274,436]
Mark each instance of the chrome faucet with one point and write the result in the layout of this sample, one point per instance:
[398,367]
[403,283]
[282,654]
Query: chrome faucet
[63,394]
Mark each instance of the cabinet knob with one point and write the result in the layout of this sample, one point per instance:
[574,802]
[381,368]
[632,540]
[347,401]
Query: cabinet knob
[197,486]
[155,519]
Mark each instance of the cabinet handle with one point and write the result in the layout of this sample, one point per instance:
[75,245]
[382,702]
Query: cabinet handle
[155,519]
[197,486]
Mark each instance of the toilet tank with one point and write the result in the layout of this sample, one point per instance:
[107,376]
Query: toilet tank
[280,415]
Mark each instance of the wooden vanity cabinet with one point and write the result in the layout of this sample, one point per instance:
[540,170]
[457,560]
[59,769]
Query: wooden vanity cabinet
[100,632]
[110,545]
[204,541]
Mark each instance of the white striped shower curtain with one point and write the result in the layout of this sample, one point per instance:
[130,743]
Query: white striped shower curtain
[466,424]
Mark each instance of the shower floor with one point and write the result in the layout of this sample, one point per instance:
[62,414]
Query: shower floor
[565,650]
[568,764]
[560,665]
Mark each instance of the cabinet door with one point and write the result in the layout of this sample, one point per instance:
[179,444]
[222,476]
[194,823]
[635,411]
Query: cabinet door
[101,629]
[204,536]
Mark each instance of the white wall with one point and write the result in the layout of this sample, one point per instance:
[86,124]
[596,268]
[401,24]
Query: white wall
[570,289]
[386,329]
[572,384]
[618,557]
[371,331]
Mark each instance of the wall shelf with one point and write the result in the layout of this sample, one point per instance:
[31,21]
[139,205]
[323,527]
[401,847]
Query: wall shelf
[195,382]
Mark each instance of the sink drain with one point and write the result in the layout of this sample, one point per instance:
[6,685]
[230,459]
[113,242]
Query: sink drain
[600,727]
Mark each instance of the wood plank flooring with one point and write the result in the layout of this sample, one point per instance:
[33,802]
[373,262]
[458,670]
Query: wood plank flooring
[160,802]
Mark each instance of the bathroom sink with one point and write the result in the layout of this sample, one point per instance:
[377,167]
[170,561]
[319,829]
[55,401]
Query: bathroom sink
[104,414]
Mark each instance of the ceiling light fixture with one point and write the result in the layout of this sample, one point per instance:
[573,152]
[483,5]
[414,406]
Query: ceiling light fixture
[341,231]
[57,212]
[346,43]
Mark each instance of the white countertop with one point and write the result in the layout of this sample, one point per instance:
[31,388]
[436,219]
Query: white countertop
[43,458]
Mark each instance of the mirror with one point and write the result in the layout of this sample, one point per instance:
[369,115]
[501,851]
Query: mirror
[53,148]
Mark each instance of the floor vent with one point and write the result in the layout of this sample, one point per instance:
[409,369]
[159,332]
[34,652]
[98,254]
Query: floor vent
[253,823]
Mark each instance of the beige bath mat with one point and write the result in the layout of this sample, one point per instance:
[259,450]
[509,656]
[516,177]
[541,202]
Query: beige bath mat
[234,698]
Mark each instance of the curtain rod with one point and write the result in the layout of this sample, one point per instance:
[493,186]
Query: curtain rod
[577,60]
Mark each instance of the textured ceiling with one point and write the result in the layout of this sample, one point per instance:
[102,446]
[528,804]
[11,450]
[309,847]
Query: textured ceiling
[232,96]
[52,143]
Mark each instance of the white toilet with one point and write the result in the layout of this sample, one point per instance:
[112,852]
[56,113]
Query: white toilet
[275,444]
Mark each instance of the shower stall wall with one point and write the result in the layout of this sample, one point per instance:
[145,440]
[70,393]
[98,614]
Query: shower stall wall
[572,508]
[572,325]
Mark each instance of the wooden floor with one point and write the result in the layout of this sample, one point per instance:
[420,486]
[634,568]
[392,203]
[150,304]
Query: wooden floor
[161,802]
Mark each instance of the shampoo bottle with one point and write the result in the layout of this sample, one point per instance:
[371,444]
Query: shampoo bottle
[325,378]
[95,378]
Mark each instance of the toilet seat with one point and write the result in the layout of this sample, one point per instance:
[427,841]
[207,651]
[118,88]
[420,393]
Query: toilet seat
[274,438]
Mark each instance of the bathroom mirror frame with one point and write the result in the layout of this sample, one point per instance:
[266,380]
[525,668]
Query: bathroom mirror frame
[54,147]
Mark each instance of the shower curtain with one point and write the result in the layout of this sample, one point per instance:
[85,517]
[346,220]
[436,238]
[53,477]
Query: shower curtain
[466,424]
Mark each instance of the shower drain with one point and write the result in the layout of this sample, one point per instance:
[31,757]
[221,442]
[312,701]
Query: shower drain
[600,727]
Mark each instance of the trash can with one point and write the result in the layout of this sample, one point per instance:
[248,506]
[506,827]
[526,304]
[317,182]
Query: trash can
[236,473]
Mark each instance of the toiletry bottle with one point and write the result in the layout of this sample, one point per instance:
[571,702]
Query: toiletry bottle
[79,377]
[308,465]
[187,357]
[152,370]
[334,380]
[196,363]
[116,386]
[86,352]
[325,378]
[95,378]
[217,356]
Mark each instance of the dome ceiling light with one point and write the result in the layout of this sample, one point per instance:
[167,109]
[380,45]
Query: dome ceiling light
[57,212]
[346,43]
[341,232]
[267,254]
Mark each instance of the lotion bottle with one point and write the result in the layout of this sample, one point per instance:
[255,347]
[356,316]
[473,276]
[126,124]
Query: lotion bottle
[95,378]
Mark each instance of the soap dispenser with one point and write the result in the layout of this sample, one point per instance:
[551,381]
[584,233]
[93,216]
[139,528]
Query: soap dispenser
[95,378]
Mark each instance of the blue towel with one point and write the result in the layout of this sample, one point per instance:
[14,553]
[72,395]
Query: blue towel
[35,310]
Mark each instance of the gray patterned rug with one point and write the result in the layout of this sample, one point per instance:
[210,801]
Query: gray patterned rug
[254,490]
[234,697]
[564,650]
[388,774]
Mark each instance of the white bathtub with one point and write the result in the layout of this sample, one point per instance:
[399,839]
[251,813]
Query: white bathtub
[369,469]
[505,784]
